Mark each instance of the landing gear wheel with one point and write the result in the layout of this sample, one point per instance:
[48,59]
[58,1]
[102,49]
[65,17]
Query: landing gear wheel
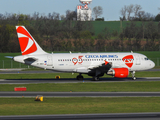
[79,77]
[134,78]
[133,75]
[96,78]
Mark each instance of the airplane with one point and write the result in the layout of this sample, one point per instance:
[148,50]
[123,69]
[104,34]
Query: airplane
[93,64]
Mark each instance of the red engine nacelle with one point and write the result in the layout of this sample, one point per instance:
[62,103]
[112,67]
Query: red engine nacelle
[119,72]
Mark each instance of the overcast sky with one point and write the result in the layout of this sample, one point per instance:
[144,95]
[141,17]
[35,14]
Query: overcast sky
[111,8]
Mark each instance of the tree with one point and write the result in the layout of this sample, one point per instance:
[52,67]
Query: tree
[141,15]
[151,31]
[130,10]
[157,18]
[71,15]
[97,11]
[136,10]
[123,12]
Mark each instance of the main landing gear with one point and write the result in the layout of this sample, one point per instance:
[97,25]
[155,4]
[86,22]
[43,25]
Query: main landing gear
[133,75]
[79,77]
[95,78]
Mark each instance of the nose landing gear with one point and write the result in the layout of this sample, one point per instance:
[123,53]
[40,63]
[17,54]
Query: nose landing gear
[133,75]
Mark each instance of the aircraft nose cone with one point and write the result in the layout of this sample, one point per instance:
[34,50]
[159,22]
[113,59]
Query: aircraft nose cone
[152,64]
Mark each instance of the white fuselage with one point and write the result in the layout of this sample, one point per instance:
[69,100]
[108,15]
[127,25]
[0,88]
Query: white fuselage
[85,62]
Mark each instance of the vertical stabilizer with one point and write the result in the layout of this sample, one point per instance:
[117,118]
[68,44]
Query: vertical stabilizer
[27,43]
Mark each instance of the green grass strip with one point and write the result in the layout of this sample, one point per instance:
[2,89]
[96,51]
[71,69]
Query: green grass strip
[27,106]
[69,75]
[145,86]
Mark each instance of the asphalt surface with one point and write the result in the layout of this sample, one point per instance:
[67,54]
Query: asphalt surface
[80,94]
[73,80]
[121,116]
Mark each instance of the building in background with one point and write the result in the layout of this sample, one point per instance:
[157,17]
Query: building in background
[84,12]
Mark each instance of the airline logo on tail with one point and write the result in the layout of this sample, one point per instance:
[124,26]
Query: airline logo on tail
[26,41]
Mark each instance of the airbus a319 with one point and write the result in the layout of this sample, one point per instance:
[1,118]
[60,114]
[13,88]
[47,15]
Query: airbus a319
[93,64]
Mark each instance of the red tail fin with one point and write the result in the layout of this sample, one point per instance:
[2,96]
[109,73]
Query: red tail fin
[27,43]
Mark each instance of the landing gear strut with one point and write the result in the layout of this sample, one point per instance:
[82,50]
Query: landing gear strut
[133,75]
[79,77]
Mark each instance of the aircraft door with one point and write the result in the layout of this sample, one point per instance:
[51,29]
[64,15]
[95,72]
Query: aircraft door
[50,60]
[138,62]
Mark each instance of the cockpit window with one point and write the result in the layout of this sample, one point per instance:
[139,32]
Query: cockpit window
[146,58]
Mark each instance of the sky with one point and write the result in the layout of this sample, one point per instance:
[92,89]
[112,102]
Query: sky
[111,8]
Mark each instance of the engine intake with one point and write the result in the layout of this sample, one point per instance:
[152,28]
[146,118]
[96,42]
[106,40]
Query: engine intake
[119,72]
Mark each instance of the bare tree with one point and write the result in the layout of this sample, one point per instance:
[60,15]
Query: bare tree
[97,11]
[123,12]
[136,9]
[130,10]
[149,16]
[141,15]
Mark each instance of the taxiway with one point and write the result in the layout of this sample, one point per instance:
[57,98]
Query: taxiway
[73,80]
[80,94]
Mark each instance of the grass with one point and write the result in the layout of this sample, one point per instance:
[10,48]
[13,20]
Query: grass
[68,75]
[112,25]
[145,86]
[27,106]
[138,86]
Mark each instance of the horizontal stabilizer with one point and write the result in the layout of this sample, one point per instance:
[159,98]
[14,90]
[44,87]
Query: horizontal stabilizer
[9,57]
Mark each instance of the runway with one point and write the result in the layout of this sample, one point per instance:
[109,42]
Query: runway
[80,94]
[120,116]
[73,80]
[123,116]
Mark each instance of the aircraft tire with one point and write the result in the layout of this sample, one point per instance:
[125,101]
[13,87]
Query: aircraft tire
[80,77]
[134,78]
[96,78]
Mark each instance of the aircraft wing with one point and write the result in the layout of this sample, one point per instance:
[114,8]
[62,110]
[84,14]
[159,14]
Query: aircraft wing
[103,68]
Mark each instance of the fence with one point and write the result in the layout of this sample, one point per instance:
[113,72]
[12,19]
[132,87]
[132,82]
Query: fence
[4,64]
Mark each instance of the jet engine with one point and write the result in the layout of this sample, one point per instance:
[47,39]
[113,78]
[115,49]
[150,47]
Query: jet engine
[119,72]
